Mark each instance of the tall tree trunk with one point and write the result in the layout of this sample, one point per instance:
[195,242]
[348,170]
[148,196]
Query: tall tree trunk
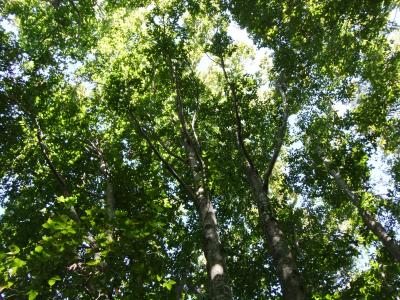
[219,287]
[282,256]
[216,267]
[105,170]
[368,219]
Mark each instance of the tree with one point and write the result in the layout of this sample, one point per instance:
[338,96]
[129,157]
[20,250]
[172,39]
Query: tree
[129,173]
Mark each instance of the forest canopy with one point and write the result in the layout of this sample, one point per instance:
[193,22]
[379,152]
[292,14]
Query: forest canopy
[199,149]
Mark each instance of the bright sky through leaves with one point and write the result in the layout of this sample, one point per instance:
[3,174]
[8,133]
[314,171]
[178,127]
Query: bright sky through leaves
[168,149]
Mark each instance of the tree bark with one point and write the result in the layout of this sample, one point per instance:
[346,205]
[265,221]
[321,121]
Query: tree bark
[282,256]
[216,267]
[219,285]
[368,219]
[105,170]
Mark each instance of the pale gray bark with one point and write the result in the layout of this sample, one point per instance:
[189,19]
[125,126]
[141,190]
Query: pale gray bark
[110,200]
[216,267]
[219,287]
[105,170]
[282,256]
[219,282]
[368,219]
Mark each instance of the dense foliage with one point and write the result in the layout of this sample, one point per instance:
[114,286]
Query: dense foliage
[148,153]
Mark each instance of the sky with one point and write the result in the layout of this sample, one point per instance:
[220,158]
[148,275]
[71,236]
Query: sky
[380,176]
[380,179]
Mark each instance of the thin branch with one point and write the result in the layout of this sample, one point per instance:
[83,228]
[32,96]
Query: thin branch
[214,61]
[169,152]
[280,139]
[179,104]
[169,167]
[196,138]
[181,115]
[165,148]
[39,135]
[56,174]
[60,179]
[369,219]
[239,129]
[79,16]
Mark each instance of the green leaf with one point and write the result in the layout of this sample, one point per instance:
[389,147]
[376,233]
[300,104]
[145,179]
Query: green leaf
[38,249]
[6,286]
[53,280]
[14,249]
[62,199]
[32,294]
[168,284]
[93,262]
[48,224]
[18,263]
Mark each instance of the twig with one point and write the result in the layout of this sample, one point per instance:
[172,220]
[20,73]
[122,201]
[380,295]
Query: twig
[239,129]
[169,167]
[279,142]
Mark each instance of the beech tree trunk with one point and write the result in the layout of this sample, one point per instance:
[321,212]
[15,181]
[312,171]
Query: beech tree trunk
[217,273]
[219,287]
[282,256]
[368,219]
[216,268]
